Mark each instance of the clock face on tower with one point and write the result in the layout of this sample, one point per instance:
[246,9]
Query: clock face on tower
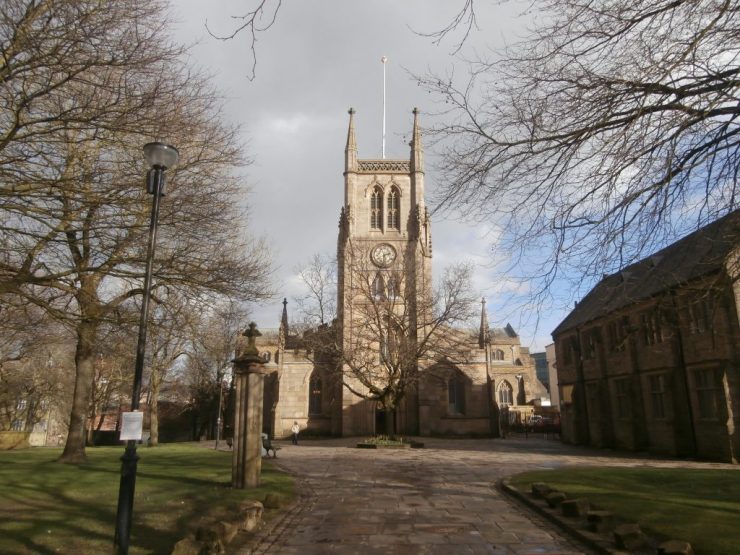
[383,255]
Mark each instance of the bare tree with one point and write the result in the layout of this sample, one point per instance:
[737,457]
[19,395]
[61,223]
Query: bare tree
[85,85]
[255,21]
[171,323]
[113,371]
[24,329]
[465,20]
[319,304]
[606,133]
[210,361]
[395,331]
[36,367]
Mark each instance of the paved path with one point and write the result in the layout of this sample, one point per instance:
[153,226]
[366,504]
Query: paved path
[439,499]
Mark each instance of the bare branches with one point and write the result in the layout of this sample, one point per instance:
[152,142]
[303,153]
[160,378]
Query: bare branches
[319,275]
[465,19]
[85,85]
[396,325]
[610,131]
[254,22]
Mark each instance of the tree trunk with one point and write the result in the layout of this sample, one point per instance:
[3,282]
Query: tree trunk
[74,449]
[154,414]
[389,422]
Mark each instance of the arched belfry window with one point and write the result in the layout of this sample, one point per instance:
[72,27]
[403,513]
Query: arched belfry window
[376,208]
[394,201]
[505,394]
[314,396]
[378,287]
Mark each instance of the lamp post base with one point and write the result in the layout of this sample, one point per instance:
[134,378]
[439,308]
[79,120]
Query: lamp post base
[129,462]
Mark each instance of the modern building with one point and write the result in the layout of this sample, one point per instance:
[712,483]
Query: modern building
[384,251]
[552,371]
[541,368]
[650,358]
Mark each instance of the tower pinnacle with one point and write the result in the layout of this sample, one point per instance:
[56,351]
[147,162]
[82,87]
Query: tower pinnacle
[417,151]
[483,333]
[350,151]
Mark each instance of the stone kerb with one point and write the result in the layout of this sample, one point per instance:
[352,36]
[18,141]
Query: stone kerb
[594,527]
[211,540]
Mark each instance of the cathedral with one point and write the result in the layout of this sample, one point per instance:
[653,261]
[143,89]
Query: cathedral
[384,252]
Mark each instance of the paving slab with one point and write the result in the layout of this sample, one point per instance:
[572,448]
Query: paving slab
[439,499]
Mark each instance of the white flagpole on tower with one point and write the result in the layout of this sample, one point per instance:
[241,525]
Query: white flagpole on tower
[383,60]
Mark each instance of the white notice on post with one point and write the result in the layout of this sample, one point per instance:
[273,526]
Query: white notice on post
[132,424]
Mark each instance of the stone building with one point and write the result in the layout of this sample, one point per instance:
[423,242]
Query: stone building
[650,358]
[384,248]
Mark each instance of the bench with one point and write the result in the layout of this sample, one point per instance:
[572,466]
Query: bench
[268,446]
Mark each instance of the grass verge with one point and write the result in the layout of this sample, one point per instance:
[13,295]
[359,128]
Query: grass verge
[47,507]
[695,505]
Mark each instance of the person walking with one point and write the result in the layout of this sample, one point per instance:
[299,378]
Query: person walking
[295,429]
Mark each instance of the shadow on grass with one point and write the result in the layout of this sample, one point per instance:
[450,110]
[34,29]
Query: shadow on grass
[48,507]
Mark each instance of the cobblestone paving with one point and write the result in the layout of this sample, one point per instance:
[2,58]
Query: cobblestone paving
[436,500]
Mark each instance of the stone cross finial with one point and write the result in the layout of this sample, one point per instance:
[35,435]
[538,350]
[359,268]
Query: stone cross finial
[483,333]
[252,333]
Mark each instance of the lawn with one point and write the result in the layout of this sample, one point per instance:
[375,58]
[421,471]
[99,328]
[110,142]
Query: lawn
[47,507]
[698,506]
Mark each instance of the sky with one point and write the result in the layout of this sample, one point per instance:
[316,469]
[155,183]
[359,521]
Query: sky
[319,59]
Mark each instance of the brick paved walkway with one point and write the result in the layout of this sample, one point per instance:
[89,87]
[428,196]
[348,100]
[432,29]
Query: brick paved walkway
[439,499]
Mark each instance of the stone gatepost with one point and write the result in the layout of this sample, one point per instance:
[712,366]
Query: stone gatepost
[249,374]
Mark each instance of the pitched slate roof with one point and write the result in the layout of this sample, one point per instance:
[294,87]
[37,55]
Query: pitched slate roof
[505,336]
[698,254]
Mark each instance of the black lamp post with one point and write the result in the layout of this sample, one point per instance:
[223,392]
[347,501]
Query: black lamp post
[160,157]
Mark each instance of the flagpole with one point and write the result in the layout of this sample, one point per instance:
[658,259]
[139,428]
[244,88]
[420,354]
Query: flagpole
[383,60]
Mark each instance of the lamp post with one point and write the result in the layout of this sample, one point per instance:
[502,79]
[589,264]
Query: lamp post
[160,157]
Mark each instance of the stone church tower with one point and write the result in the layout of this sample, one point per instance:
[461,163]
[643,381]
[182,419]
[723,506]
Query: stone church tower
[384,263]
[384,246]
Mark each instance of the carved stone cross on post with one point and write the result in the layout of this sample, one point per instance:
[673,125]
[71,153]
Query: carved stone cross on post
[251,333]
[249,373]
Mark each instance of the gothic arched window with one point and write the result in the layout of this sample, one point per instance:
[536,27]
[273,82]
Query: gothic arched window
[498,354]
[505,394]
[394,201]
[314,396]
[378,287]
[376,208]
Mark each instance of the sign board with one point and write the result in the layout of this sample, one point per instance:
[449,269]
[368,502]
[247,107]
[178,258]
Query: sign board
[132,424]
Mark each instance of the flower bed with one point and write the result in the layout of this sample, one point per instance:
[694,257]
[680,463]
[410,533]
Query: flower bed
[386,442]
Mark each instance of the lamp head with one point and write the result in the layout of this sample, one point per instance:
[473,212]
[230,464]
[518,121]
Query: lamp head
[160,154]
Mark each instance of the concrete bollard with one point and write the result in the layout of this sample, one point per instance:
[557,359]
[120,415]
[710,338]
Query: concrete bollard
[540,489]
[250,515]
[629,537]
[675,547]
[555,498]
[575,508]
[600,521]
